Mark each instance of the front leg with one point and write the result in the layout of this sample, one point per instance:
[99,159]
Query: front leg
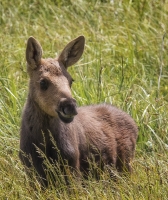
[33,162]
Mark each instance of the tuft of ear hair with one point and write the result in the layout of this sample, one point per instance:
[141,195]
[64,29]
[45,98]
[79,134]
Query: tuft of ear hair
[72,51]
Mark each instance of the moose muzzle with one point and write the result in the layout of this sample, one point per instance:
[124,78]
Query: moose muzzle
[67,109]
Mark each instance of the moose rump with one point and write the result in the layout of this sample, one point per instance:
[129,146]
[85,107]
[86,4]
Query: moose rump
[102,132]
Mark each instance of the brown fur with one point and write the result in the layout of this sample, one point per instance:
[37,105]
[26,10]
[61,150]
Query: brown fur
[102,131]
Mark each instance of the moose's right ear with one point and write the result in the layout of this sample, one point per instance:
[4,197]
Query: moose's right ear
[33,52]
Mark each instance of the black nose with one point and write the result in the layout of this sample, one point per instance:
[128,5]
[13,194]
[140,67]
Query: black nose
[67,109]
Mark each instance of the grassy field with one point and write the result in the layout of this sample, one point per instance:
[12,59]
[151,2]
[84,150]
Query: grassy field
[125,63]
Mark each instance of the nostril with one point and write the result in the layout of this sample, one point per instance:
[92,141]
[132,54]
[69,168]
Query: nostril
[69,110]
[66,110]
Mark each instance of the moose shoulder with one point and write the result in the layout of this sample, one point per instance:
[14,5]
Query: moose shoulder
[80,133]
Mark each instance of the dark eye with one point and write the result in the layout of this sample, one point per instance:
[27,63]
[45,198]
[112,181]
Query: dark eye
[44,84]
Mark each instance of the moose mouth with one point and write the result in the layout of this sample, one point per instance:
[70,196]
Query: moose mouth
[64,117]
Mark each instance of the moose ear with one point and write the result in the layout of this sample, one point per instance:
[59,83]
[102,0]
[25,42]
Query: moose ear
[72,51]
[33,52]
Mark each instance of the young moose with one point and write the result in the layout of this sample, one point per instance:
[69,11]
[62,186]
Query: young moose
[101,133]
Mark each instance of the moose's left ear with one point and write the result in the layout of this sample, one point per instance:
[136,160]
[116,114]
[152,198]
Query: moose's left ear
[72,51]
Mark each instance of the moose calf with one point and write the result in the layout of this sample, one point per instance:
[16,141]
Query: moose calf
[101,132]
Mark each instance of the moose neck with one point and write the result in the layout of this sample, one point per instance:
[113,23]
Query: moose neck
[37,116]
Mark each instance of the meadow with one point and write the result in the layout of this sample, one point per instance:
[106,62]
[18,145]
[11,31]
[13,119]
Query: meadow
[125,63]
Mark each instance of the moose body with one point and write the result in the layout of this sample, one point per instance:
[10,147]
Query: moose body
[102,132]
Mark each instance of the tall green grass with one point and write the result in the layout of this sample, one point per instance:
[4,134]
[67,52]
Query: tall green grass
[125,63]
